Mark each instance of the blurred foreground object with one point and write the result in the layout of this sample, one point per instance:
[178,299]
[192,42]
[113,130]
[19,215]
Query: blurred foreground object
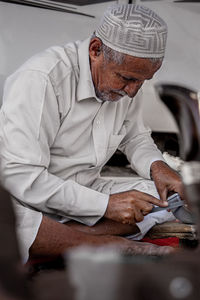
[15,283]
[105,274]
[13,280]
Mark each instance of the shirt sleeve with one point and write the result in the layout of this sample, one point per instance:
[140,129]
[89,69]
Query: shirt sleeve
[138,144]
[29,122]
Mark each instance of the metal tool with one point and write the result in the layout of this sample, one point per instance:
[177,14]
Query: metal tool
[177,207]
[174,202]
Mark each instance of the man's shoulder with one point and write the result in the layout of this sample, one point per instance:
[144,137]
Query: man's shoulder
[54,61]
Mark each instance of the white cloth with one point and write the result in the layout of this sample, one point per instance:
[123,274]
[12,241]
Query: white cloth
[55,137]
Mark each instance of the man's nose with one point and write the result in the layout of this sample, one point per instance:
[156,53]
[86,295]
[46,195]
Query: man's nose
[132,87]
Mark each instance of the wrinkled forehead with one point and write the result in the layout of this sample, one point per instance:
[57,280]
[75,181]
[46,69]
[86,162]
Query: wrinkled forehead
[136,67]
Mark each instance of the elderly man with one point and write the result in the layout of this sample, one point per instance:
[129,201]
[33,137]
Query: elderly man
[65,113]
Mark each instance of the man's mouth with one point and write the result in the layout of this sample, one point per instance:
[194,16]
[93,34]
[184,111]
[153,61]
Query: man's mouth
[119,94]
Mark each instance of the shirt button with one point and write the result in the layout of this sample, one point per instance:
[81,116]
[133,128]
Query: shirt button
[98,122]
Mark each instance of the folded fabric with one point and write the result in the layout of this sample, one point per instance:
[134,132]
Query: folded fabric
[149,221]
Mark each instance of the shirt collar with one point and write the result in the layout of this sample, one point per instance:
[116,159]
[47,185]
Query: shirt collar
[85,88]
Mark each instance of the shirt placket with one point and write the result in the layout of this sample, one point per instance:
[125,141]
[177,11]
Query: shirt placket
[100,136]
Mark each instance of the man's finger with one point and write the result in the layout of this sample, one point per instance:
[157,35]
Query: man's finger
[163,194]
[147,211]
[148,198]
[138,215]
[145,207]
[144,212]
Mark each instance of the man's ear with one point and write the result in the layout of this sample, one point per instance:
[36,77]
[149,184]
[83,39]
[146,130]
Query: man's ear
[95,48]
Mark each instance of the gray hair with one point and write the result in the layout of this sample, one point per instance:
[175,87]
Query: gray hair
[117,57]
[111,55]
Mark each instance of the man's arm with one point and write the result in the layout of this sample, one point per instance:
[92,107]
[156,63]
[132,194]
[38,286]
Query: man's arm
[54,238]
[106,227]
[30,120]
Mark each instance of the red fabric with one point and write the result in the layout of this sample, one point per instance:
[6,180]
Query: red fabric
[171,241]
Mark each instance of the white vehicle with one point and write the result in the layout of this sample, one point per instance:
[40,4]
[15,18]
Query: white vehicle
[26,30]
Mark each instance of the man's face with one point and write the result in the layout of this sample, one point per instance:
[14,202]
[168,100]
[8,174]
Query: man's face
[113,81]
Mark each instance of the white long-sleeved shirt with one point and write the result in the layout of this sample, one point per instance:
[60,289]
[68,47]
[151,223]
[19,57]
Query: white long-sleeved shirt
[55,135]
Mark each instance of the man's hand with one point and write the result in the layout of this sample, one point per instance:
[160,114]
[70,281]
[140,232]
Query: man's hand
[131,206]
[166,180]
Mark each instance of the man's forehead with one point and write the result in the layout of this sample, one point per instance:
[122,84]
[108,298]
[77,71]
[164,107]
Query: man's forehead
[132,66]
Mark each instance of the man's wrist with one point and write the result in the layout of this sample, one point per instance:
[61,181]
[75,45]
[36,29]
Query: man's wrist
[156,164]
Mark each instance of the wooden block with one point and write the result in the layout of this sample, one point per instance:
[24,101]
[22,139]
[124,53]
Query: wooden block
[172,229]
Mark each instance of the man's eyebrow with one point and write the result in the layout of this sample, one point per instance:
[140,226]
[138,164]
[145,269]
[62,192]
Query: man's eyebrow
[128,77]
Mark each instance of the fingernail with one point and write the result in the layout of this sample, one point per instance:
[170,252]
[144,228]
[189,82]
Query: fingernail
[165,203]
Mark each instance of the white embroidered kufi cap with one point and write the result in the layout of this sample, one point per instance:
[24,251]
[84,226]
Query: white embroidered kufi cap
[133,29]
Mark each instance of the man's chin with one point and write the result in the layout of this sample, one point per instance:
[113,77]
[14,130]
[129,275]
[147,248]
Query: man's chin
[111,97]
